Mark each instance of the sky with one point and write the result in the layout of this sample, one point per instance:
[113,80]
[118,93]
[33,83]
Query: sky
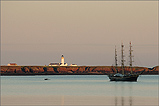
[85,32]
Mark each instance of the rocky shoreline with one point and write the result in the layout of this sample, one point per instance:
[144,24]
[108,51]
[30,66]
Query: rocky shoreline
[71,70]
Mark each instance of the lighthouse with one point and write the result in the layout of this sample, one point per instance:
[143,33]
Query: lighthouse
[62,63]
[62,60]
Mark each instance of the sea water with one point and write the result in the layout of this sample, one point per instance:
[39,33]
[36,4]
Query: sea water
[64,90]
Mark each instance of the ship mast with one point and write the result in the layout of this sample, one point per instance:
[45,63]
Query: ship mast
[130,55]
[116,64]
[122,58]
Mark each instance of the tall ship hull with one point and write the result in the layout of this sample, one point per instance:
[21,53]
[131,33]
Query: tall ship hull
[124,78]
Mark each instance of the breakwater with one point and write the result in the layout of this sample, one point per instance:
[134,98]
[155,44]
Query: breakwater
[72,70]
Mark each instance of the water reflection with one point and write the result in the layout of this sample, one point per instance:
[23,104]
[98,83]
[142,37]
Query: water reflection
[130,94]
[116,101]
[130,100]
[62,100]
[125,98]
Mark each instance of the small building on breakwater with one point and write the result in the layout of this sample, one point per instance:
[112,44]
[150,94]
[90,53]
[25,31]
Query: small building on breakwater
[12,64]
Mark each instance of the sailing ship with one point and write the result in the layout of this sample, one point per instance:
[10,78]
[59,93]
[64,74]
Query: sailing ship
[122,76]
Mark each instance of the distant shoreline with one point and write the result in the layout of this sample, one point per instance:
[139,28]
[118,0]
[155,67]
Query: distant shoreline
[45,74]
[55,74]
[70,70]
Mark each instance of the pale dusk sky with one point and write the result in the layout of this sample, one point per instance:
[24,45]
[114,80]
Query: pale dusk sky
[85,32]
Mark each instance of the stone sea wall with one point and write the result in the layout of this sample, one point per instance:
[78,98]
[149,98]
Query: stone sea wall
[72,70]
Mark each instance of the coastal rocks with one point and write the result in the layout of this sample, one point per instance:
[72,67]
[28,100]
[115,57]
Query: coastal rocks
[62,69]
[80,70]
[152,71]
[91,69]
[41,70]
[26,70]
[36,69]
[18,70]
[49,69]
[11,70]
[33,70]
[73,69]
[4,69]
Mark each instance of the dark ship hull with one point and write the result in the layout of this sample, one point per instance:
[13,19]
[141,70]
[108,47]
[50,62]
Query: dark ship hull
[123,78]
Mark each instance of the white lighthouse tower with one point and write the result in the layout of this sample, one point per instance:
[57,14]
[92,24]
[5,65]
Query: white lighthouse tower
[62,61]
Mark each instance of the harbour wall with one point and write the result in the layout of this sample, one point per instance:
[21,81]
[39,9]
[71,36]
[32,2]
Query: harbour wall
[72,70]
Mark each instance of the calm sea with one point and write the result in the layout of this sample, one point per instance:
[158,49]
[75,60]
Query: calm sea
[78,90]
